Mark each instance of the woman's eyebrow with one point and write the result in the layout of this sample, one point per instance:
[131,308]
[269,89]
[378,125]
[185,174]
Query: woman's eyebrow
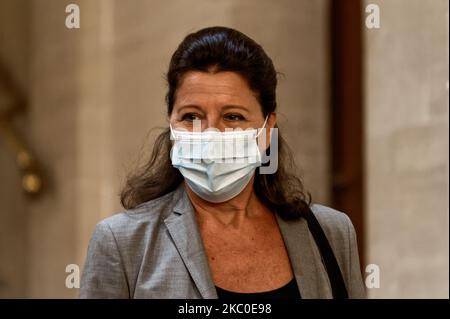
[235,106]
[225,107]
[194,106]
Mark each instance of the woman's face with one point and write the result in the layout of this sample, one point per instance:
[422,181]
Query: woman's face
[219,100]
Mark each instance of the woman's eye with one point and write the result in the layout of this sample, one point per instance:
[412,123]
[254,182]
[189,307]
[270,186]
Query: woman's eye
[190,117]
[234,117]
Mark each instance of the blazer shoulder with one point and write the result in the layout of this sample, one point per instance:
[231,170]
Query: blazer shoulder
[330,218]
[148,213]
[341,234]
[337,225]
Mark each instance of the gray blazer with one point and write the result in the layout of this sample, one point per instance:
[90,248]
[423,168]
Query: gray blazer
[155,251]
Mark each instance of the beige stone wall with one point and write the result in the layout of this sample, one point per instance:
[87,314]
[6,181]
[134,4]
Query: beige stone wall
[96,92]
[407,209]
[14,19]
[54,105]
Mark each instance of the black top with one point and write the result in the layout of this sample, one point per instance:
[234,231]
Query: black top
[288,291]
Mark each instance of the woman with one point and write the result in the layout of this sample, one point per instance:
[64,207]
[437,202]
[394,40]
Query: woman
[203,225]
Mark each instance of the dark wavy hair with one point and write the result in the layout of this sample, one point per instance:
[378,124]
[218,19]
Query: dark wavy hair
[217,49]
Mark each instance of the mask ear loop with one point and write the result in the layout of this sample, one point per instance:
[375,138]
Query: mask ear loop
[171,131]
[264,125]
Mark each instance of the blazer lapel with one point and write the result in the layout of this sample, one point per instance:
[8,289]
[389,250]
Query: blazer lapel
[304,255]
[184,231]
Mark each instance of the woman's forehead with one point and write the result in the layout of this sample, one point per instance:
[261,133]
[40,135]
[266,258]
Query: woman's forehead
[227,86]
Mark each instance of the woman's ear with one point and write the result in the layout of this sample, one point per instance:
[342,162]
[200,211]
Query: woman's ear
[271,122]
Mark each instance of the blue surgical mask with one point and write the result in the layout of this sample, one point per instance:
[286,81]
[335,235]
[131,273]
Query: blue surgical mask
[217,166]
